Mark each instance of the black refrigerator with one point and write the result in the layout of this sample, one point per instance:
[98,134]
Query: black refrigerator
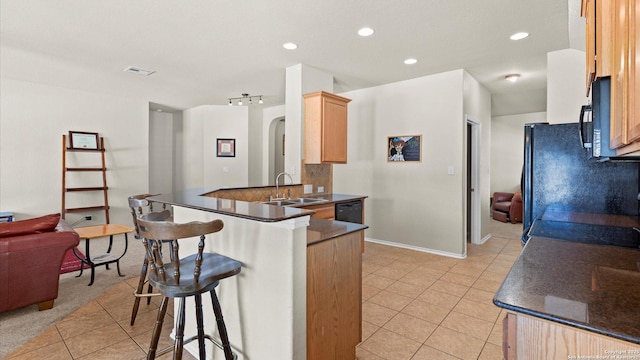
[561,177]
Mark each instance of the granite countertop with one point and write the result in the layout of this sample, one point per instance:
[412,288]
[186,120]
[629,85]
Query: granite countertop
[320,230]
[591,218]
[194,199]
[591,287]
[337,198]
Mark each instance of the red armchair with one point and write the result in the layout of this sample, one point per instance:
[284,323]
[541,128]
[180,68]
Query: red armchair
[507,207]
[31,253]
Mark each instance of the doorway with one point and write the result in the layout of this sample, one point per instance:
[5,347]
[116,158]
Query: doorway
[473,182]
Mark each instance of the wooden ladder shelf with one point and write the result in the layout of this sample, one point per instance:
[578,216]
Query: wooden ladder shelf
[65,190]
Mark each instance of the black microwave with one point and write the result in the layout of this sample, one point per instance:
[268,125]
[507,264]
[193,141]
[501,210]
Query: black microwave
[594,124]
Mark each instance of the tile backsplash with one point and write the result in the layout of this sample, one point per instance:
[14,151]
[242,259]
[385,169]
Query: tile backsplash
[317,175]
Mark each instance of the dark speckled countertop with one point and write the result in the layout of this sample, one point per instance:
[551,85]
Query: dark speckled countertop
[592,287]
[320,230]
[193,199]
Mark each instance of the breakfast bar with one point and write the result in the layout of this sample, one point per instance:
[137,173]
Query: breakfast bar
[266,306]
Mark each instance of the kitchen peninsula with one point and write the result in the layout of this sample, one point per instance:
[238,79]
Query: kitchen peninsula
[570,300]
[296,270]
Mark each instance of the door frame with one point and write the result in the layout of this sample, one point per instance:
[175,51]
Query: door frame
[476,130]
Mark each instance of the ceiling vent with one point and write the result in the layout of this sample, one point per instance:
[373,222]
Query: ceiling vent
[138,71]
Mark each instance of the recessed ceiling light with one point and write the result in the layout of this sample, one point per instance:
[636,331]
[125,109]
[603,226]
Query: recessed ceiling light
[519,36]
[138,71]
[290,46]
[365,31]
[410,61]
[512,77]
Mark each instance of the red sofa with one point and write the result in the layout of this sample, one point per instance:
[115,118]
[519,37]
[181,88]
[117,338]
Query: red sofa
[507,207]
[31,254]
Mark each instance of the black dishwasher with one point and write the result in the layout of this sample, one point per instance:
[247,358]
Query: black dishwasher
[349,211]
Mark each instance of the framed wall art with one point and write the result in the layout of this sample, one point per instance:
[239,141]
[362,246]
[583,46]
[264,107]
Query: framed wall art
[404,148]
[226,148]
[83,140]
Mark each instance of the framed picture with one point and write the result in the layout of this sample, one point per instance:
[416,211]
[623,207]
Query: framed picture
[83,140]
[404,148]
[226,148]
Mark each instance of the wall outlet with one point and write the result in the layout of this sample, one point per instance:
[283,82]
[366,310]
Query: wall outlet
[308,189]
[320,189]
[88,217]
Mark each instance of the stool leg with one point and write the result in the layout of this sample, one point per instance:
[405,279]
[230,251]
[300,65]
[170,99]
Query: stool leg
[139,289]
[149,291]
[179,341]
[200,324]
[157,329]
[222,329]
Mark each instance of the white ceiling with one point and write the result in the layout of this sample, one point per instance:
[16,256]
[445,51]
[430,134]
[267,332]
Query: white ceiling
[205,51]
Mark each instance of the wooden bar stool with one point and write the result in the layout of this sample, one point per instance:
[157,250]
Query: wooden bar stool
[190,276]
[140,206]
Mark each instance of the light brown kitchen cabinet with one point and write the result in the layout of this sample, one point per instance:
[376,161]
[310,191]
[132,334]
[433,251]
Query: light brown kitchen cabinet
[625,118]
[528,337]
[334,298]
[323,211]
[325,128]
[598,46]
[612,50]
[619,73]
[633,106]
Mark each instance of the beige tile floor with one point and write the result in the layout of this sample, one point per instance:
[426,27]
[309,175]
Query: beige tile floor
[416,306]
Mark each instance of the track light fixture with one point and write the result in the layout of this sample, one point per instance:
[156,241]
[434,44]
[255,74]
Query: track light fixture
[245,97]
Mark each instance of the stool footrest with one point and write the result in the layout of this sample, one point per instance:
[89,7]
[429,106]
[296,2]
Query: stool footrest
[215,342]
[210,338]
[144,295]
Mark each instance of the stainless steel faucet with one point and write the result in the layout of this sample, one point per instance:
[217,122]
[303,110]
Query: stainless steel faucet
[278,187]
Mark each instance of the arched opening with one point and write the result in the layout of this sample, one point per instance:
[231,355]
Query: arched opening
[276,148]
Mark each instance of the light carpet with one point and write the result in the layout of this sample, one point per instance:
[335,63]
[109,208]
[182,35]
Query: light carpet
[21,325]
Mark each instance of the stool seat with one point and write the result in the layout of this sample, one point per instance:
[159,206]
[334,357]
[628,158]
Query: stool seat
[215,267]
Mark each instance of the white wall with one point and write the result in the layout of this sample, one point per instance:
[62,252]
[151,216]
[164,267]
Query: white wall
[33,118]
[301,79]
[477,107]
[507,149]
[255,139]
[202,126]
[161,139]
[413,204]
[566,85]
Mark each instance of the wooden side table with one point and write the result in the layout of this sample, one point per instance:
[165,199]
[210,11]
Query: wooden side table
[93,232]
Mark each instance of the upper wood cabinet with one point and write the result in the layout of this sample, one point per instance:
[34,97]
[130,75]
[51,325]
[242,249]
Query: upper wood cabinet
[625,116]
[612,50]
[325,128]
[633,104]
[619,73]
[598,45]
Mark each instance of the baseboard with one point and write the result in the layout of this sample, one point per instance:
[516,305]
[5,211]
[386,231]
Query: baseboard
[484,239]
[417,248]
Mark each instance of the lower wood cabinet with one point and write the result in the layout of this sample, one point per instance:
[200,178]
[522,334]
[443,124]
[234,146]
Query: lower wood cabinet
[334,298]
[527,337]
[323,211]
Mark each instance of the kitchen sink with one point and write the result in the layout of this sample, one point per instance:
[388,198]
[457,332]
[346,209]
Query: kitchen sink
[280,203]
[306,200]
[294,202]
